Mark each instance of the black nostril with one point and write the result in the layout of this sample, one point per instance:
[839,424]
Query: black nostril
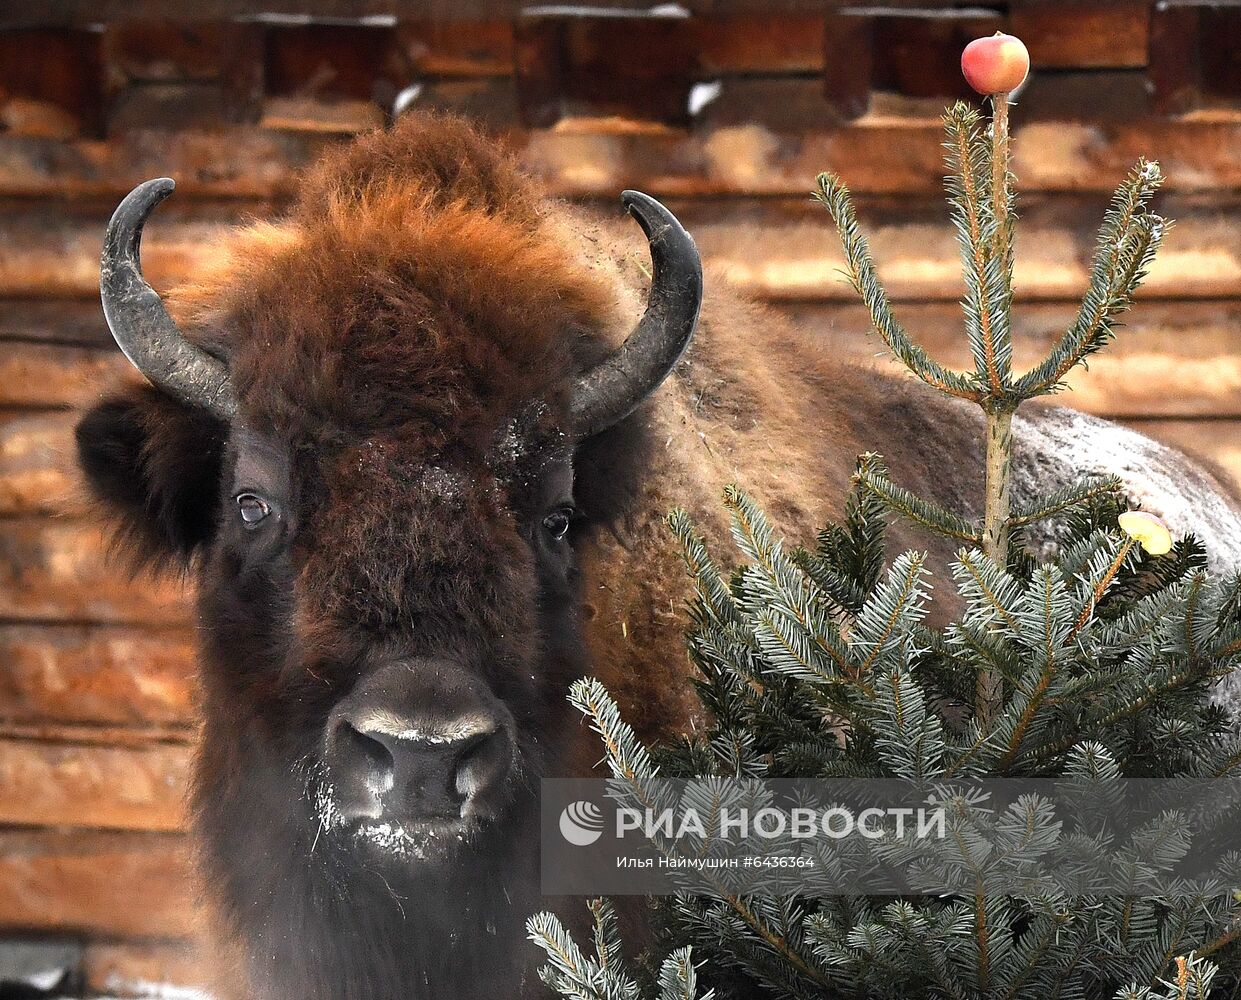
[480,762]
[469,754]
[366,750]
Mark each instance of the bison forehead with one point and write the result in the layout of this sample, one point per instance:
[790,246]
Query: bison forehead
[374,461]
[386,313]
[525,449]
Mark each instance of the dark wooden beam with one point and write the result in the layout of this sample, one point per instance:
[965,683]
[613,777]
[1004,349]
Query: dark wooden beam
[848,63]
[51,81]
[637,68]
[1174,70]
[1220,53]
[1193,54]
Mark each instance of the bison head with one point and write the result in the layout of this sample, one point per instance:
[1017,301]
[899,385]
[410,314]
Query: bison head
[362,434]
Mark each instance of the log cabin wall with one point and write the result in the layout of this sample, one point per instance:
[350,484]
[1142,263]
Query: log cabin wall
[725,110]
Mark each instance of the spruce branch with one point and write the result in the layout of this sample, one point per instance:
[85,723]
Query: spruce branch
[889,618]
[628,760]
[1081,494]
[569,972]
[833,194]
[631,763]
[572,974]
[913,507]
[1104,567]
[710,586]
[1127,243]
[678,979]
[987,295]
[992,594]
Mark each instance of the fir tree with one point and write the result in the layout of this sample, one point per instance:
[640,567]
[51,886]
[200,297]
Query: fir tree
[818,662]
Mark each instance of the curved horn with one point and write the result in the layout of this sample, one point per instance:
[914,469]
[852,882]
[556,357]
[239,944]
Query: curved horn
[613,388]
[138,320]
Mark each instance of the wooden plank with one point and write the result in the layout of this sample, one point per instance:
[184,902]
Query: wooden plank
[538,70]
[118,788]
[787,42]
[1202,153]
[491,103]
[241,162]
[305,114]
[1175,58]
[242,72]
[36,463]
[96,675]
[57,12]
[1221,70]
[639,69]
[331,61]
[457,48]
[1197,155]
[194,105]
[848,63]
[1173,360]
[71,322]
[1082,35]
[49,251]
[88,12]
[1087,96]
[780,250]
[63,571]
[164,51]
[921,56]
[78,734]
[112,883]
[57,375]
[1169,360]
[51,81]
[139,968]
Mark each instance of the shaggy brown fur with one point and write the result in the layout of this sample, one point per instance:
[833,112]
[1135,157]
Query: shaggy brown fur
[400,346]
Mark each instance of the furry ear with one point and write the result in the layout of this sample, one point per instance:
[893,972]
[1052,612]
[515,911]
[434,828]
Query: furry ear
[154,464]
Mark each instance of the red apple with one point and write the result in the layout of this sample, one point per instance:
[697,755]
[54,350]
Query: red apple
[995,65]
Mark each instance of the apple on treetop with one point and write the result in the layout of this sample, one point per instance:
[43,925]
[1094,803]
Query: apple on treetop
[997,64]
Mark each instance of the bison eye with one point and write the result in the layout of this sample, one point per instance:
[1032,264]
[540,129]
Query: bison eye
[557,523]
[253,508]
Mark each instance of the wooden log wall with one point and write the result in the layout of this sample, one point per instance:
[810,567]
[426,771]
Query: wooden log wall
[726,112]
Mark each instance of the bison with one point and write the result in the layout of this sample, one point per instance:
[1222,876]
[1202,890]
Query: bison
[408,442]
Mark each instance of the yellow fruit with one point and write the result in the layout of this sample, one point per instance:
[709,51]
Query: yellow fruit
[1151,533]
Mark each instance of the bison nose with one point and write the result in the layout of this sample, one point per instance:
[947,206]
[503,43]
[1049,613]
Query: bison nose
[418,741]
[422,774]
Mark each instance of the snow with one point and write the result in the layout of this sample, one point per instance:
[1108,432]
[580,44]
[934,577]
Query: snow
[576,10]
[1057,447]
[280,18]
[702,94]
[153,991]
[442,483]
[392,837]
[399,728]
[406,98]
